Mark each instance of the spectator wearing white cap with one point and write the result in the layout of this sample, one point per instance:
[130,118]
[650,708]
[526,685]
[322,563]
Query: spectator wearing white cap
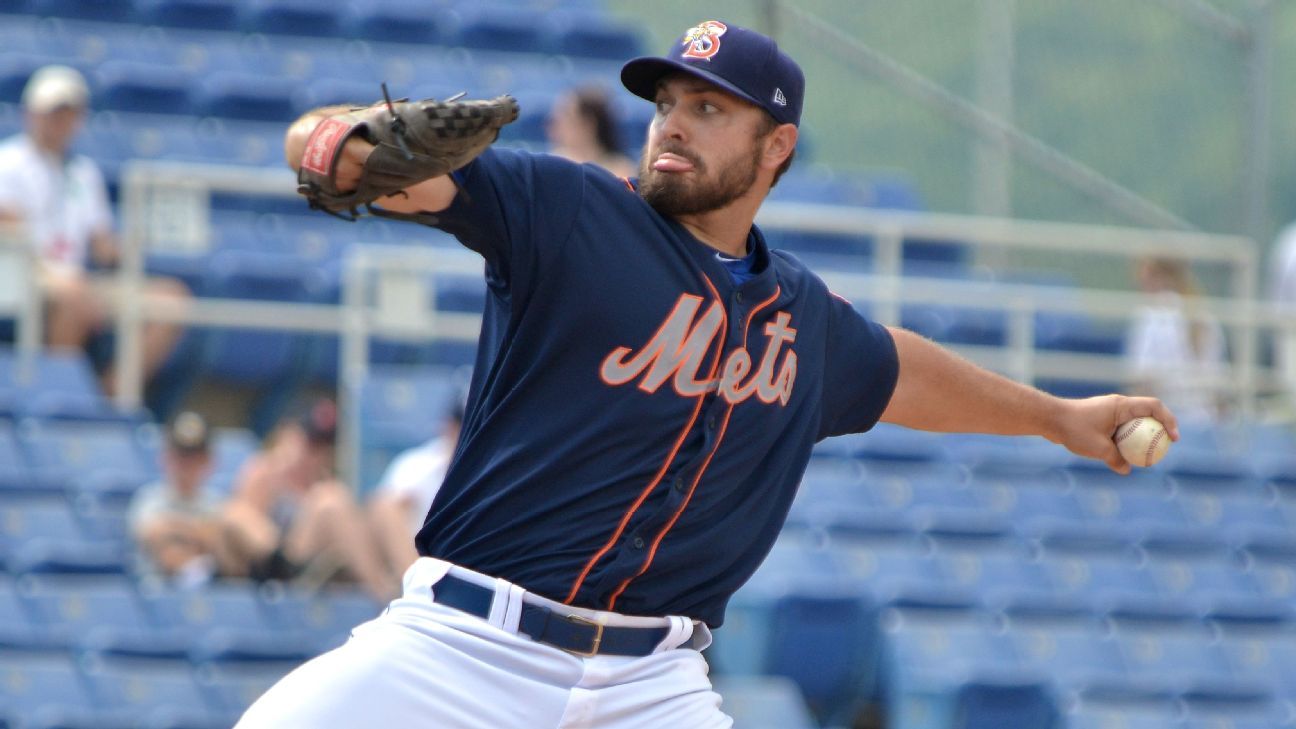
[58,202]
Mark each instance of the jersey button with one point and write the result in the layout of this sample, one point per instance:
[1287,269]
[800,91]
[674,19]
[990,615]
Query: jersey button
[679,483]
[738,297]
[638,542]
[711,422]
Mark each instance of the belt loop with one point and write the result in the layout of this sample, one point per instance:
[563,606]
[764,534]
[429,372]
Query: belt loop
[513,610]
[681,629]
[499,604]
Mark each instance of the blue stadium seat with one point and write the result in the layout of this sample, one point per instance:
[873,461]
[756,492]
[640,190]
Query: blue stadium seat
[397,21]
[1126,705]
[195,14]
[329,91]
[234,686]
[225,605]
[256,357]
[25,519]
[83,9]
[1131,506]
[221,644]
[764,702]
[292,17]
[1168,644]
[586,36]
[994,571]
[247,96]
[1075,333]
[81,606]
[1237,704]
[20,629]
[741,647]
[1270,558]
[1094,562]
[330,614]
[1024,502]
[44,689]
[15,476]
[65,448]
[1023,703]
[1072,648]
[930,654]
[513,29]
[51,383]
[888,567]
[69,554]
[1196,564]
[142,87]
[1207,469]
[826,640]
[150,690]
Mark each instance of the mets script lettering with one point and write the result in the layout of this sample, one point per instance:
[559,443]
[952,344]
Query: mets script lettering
[676,352]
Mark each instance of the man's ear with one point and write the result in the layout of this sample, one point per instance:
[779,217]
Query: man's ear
[779,145]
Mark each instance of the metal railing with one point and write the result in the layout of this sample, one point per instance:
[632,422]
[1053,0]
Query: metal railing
[386,289]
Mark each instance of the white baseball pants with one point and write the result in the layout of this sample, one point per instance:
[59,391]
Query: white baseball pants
[421,664]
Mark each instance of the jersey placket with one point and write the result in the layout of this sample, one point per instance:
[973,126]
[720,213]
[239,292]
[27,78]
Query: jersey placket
[634,555]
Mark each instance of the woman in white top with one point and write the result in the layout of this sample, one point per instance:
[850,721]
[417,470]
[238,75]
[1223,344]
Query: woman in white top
[1177,350]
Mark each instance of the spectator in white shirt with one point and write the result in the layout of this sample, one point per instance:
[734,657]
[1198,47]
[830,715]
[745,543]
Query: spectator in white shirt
[57,200]
[1283,270]
[405,492]
[1177,351]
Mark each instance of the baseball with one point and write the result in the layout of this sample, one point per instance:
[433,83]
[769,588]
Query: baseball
[1142,441]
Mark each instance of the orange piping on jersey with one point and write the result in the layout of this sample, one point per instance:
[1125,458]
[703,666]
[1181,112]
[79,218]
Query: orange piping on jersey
[670,457]
[724,427]
[629,186]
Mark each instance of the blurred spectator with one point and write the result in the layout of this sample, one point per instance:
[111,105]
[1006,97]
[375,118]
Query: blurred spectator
[292,518]
[176,521]
[582,127]
[1284,294]
[404,494]
[59,202]
[1177,351]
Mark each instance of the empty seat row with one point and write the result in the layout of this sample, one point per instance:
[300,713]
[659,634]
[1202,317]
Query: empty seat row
[54,689]
[116,614]
[845,648]
[514,27]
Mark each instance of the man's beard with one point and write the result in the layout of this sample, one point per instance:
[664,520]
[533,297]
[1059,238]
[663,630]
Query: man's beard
[671,194]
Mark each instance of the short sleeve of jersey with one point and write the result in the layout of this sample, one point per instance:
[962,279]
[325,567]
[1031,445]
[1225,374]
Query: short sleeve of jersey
[860,371]
[515,208]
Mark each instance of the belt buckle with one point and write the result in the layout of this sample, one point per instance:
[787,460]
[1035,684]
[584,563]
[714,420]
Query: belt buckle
[598,635]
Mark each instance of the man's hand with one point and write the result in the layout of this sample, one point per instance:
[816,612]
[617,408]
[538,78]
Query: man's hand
[1085,427]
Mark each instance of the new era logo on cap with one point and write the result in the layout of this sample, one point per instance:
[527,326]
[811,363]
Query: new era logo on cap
[740,61]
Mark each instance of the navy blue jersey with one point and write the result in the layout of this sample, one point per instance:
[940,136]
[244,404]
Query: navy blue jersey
[637,424]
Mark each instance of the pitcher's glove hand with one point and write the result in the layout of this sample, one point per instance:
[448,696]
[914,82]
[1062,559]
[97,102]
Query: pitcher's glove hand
[413,141]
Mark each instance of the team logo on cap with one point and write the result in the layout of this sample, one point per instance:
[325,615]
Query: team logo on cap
[703,40]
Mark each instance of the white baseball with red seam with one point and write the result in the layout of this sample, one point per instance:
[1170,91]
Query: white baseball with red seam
[1142,441]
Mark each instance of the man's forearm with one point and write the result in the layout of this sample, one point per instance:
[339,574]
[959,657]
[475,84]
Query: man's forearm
[940,391]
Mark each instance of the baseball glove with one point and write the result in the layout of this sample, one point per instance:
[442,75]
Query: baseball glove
[413,141]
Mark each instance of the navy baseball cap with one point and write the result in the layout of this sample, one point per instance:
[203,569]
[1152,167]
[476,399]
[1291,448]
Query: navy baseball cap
[740,61]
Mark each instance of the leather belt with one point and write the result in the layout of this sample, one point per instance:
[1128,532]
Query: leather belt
[573,633]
